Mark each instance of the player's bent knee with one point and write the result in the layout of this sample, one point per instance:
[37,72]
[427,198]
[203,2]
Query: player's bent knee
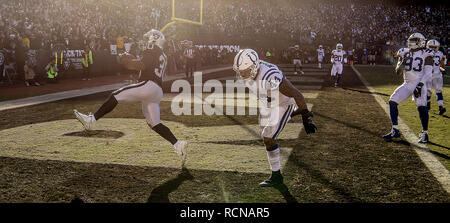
[392,103]
[269,142]
[154,126]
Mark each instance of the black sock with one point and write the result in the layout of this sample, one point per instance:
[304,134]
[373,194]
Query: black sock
[165,132]
[107,107]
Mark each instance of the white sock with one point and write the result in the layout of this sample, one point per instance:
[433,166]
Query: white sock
[274,159]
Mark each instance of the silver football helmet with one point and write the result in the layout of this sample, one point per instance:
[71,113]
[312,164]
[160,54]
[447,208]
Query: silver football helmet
[246,64]
[416,41]
[154,37]
[433,44]
[339,46]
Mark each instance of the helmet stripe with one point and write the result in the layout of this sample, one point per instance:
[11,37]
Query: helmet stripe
[239,56]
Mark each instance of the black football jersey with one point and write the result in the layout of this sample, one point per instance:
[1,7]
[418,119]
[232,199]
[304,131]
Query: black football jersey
[296,54]
[155,61]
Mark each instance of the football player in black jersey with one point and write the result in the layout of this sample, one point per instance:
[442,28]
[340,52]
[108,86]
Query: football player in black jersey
[148,91]
[297,59]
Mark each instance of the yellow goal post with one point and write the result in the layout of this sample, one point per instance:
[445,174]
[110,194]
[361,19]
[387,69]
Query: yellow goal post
[175,19]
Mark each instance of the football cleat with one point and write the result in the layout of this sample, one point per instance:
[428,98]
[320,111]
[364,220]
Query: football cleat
[442,110]
[181,150]
[86,120]
[395,133]
[423,137]
[275,179]
[336,85]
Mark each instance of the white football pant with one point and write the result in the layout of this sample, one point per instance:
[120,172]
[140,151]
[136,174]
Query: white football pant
[406,90]
[297,62]
[337,68]
[436,83]
[273,120]
[146,92]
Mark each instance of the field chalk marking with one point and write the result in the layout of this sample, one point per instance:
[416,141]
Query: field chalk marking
[436,168]
[35,100]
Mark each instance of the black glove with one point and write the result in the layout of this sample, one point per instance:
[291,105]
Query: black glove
[418,90]
[308,123]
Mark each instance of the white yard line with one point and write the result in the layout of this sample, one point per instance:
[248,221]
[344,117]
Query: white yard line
[5,105]
[57,96]
[436,168]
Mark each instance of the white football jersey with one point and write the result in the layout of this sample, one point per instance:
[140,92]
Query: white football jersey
[414,62]
[320,52]
[401,52]
[337,56]
[438,57]
[268,79]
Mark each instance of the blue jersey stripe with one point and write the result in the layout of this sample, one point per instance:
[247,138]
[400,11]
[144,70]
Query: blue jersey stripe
[271,69]
[291,109]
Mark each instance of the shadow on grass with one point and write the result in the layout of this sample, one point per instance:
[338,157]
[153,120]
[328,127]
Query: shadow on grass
[284,191]
[346,124]
[321,178]
[404,142]
[293,160]
[161,193]
[104,134]
[435,144]
[365,92]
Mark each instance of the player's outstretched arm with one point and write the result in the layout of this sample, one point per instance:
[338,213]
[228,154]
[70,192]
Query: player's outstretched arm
[289,90]
[400,66]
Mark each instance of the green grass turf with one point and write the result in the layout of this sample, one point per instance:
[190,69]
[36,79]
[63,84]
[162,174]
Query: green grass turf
[385,81]
[345,161]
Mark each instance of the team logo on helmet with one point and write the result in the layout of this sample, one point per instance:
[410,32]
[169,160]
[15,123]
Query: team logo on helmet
[433,44]
[246,64]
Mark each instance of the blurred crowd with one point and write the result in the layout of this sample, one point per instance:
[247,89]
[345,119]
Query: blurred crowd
[266,25]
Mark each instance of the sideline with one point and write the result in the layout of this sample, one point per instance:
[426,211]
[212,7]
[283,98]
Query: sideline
[436,168]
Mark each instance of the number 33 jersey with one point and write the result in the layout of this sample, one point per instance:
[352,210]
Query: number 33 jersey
[155,62]
[414,62]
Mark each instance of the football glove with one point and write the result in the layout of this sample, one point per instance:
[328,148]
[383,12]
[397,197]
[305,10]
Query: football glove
[308,123]
[418,90]
[443,71]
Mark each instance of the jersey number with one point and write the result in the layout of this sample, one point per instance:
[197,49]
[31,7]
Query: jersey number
[159,71]
[337,58]
[409,64]
[437,61]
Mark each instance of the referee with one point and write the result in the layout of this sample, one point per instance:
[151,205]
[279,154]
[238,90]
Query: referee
[189,54]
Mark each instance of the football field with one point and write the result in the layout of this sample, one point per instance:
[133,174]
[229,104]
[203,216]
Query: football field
[46,156]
